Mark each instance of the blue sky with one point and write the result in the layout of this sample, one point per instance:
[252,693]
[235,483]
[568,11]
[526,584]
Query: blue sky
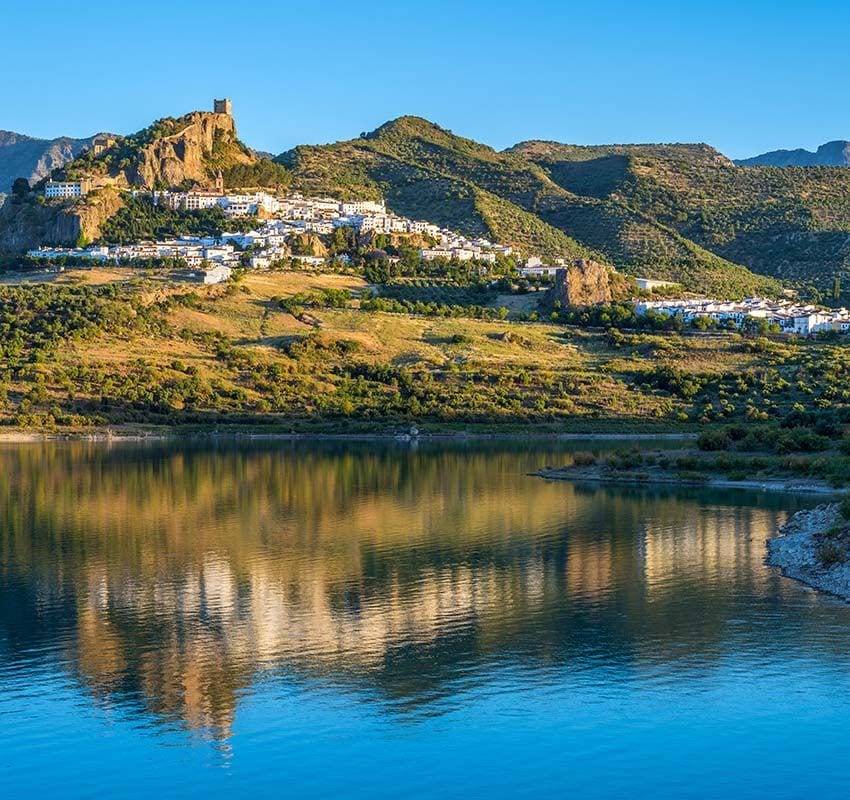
[745,77]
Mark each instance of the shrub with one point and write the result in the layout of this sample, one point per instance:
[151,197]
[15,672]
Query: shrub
[584,459]
[800,440]
[829,554]
[713,440]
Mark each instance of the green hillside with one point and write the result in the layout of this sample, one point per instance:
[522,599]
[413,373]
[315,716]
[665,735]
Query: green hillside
[791,223]
[682,212]
[515,196]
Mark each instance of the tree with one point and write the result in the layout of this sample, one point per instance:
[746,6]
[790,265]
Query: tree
[21,187]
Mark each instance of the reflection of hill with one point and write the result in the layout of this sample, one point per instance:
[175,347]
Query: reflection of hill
[170,578]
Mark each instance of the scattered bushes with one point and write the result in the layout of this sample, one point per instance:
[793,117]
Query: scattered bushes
[763,438]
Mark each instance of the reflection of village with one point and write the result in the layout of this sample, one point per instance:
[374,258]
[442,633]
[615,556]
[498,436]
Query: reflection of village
[320,572]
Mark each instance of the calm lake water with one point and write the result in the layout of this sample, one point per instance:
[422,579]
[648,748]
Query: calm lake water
[385,621]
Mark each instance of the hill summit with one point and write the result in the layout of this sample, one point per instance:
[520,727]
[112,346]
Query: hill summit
[183,152]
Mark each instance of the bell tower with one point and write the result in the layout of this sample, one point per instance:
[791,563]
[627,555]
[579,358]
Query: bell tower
[219,182]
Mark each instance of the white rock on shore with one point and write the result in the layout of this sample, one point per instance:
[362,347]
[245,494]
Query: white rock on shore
[795,551]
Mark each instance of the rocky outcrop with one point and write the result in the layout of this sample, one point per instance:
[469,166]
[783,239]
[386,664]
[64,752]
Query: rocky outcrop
[582,283]
[203,141]
[26,224]
[308,244]
[812,548]
[170,153]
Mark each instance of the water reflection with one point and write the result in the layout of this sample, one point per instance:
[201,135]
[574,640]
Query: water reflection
[168,580]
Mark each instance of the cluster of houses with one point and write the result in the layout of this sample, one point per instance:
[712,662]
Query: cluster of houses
[208,260]
[457,247]
[789,316]
[269,242]
[278,220]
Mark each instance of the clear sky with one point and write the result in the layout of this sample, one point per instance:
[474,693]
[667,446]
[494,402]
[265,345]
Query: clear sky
[744,76]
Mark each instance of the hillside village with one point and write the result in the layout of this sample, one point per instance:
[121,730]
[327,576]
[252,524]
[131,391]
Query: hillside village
[269,227]
[210,260]
[278,220]
[786,316]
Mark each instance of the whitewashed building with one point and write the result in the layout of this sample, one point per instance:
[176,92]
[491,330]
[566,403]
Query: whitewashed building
[65,189]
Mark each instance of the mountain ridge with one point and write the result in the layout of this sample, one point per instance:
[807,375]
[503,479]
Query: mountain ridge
[677,211]
[830,154]
[423,170]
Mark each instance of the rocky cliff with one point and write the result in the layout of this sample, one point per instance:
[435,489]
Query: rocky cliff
[28,223]
[170,153]
[202,143]
[582,283]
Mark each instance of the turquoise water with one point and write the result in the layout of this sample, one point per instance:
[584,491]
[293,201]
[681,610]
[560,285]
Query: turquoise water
[379,621]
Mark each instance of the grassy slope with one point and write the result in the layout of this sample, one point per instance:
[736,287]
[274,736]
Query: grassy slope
[790,223]
[233,355]
[428,172]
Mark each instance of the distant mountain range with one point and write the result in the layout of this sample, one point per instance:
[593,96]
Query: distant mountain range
[831,154]
[27,157]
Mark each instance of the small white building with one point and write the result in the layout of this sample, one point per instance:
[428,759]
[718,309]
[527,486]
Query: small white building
[650,283]
[539,271]
[357,207]
[217,274]
[434,253]
[66,189]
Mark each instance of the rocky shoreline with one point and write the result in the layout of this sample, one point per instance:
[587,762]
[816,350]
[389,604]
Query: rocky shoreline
[812,549]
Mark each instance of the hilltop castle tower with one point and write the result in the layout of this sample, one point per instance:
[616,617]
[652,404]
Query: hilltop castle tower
[223,106]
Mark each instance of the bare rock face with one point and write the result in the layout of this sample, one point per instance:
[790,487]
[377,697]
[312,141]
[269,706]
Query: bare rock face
[582,283]
[370,240]
[309,244]
[27,224]
[171,153]
[186,155]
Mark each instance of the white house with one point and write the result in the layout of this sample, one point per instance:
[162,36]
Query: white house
[362,207]
[66,189]
[217,274]
[539,271]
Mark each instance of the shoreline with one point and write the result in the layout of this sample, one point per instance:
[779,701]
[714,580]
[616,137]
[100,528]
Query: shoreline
[119,435]
[794,552]
[789,485]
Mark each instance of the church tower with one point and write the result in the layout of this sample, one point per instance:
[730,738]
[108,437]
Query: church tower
[219,182]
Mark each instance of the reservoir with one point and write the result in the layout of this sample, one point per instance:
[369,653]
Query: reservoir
[386,619]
